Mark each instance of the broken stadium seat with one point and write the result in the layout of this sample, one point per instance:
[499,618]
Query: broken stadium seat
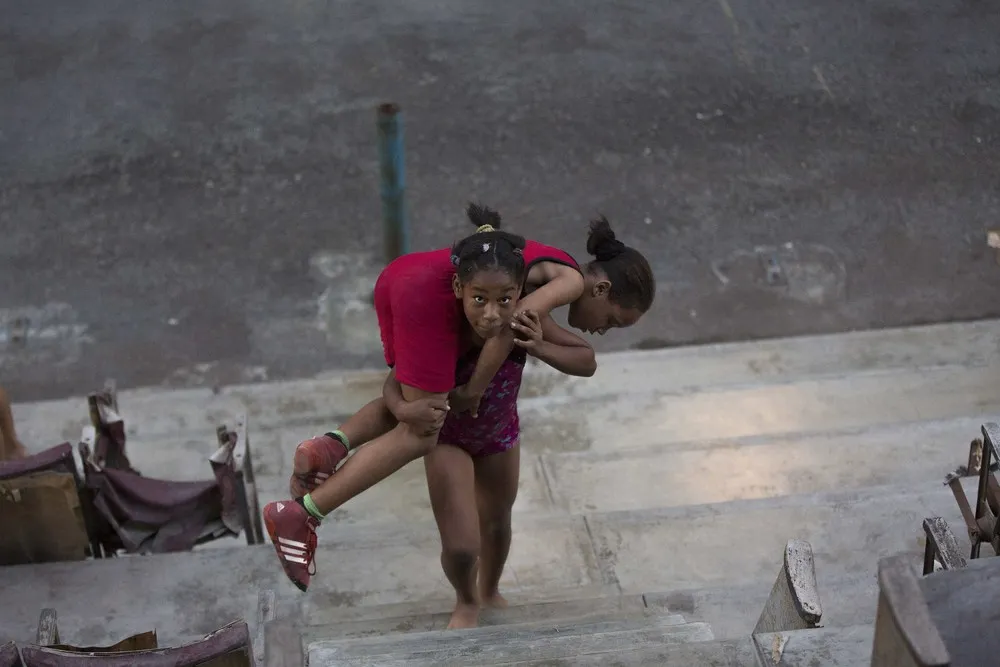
[48,635]
[230,646]
[140,514]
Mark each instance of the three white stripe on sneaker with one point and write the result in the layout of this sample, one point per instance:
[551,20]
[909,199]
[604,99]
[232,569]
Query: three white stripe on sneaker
[292,550]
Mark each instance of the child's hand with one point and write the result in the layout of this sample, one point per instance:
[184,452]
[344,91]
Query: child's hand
[426,415]
[462,400]
[528,326]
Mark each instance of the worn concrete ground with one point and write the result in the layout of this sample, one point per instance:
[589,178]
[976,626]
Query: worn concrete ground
[676,473]
[188,192]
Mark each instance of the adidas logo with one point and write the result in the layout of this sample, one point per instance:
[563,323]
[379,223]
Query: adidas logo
[292,550]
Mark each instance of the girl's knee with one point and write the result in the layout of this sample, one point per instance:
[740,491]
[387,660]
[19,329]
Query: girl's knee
[460,557]
[421,444]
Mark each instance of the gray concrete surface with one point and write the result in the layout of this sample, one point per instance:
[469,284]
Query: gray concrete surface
[188,192]
[331,623]
[732,611]
[188,594]
[819,647]
[528,643]
[688,487]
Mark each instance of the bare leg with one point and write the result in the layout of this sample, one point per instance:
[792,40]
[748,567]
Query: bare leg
[452,485]
[375,461]
[371,421]
[314,461]
[496,489]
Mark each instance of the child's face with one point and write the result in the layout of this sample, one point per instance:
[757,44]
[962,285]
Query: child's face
[488,299]
[595,313]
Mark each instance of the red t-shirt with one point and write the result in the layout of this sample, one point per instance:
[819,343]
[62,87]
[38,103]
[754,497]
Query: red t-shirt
[420,319]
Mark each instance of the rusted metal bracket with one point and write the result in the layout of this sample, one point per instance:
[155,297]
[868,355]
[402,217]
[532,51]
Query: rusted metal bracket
[975,457]
[982,520]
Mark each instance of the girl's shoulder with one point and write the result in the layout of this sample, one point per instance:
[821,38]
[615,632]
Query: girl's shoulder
[536,253]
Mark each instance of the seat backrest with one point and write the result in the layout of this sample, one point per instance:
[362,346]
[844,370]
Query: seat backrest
[9,657]
[54,459]
[794,602]
[109,445]
[232,465]
[41,510]
[905,633]
[229,646]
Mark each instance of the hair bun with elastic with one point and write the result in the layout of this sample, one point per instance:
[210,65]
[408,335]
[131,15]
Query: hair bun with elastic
[609,250]
[483,217]
[601,243]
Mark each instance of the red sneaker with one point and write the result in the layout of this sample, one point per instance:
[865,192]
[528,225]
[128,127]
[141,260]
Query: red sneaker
[293,533]
[314,461]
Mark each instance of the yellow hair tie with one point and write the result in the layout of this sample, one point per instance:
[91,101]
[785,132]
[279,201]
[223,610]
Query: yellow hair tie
[482,229]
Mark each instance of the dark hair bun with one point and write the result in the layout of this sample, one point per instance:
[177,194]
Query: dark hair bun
[601,242]
[482,215]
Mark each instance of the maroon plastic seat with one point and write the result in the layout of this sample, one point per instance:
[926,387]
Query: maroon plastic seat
[54,459]
[229,646]
[155,516]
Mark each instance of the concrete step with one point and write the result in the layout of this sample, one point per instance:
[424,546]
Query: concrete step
[699,367]
[732,611]
[187,594]
[507,645]
[735,543]
[674,474]
[725,653]
[707,546]
[173,442]
[819,647]
[325,622]
[840,403]
[181,414]
[721,470]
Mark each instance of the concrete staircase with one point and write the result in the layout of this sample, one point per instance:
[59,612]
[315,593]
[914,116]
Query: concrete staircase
[655,502]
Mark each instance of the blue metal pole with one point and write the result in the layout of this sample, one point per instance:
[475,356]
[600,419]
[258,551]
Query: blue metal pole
[395,227]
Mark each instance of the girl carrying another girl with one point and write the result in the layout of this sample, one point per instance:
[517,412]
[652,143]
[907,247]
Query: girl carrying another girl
[421,323]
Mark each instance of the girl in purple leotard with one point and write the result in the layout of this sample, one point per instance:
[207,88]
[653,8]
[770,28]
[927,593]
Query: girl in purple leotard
[472,473]
[497,427]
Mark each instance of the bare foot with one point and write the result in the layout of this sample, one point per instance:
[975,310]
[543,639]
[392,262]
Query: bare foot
[464,616]
[494,600]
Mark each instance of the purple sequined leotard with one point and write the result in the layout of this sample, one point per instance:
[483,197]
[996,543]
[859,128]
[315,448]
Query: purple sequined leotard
[497,428]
